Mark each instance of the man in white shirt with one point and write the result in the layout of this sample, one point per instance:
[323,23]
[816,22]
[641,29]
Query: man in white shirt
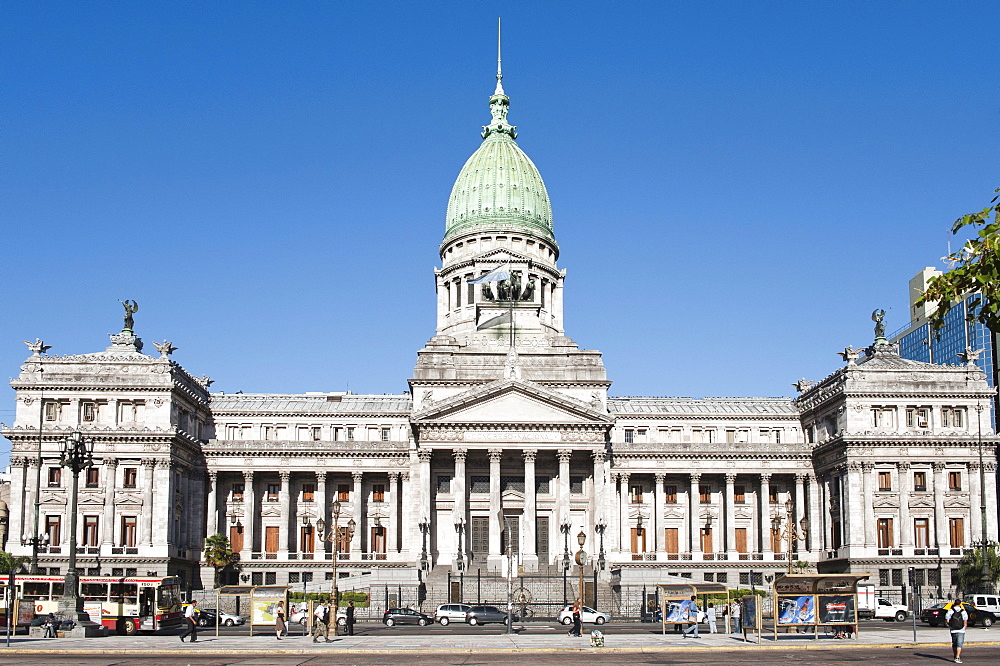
[957,620]
[191,617]
[321,622]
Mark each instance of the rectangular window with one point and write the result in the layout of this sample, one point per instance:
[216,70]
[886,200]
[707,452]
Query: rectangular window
[308,492]
[88,412]
[91,531]
[479,484]
[307,543]
[730,436]
[882,417]
[272,492]
[772,494]
[636,494]
[629,435]
[52,529]
[378,492]
[920,481]
[739,494]
[130,411]
[350,434]
[270,577]
[337,435]
[705,492]
[52,410]
[954,480]
[93,477]
[237,492]
[385,433]
[128,531]
[344,492]
[671,495]
[542,485]
[917,417]
[576,485]
[129,477]
[885,532]
[470,292]
[884,481]
[316,433]
[921,532]
[640,435]
[55,477]
[444,484]
[956,532]
[293,577]
[515,483]
[952,417]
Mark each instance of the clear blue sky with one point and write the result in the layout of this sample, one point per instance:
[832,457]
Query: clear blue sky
[735,185]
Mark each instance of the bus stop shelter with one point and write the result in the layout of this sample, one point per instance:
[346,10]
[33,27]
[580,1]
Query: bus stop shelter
[815,600]
[263,599]
[676,605]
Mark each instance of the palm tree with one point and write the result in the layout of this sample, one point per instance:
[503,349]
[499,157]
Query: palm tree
[979,570]
[219,554]
[11,563]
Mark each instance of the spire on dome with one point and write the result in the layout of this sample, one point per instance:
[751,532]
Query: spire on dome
[499,103]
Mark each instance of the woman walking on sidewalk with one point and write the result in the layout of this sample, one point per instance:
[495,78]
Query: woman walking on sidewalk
[279,619]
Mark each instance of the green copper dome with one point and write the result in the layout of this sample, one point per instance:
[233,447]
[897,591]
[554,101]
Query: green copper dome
[499,188]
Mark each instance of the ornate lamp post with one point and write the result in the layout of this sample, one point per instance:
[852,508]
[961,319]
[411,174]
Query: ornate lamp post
[425,527]
[581,559]
[600,527]
[791,534]
[564,528]
[460,554]
[77,455]
[337,535]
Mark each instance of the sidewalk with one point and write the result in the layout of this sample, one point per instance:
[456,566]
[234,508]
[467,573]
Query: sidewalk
[534,639]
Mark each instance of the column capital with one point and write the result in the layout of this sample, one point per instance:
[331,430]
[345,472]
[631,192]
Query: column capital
[248,475]
[405,476]
[18,461]
[164,463]
[765,477]
[854,466]
[938,466]
[111,462]
[624,476]
[495,455]
[284,475]
[393,477]
[659,476]
[321,477]
[425,455]
[564,455]
[614,476]
[990,466]
[972,466]
[903,466]
[34,462]
[529,455]
[460,454]
[867,466]
[599,455]
[730,478]
[811,478]
[213,475]
[357,476]
[695,477]
[800,477]
[148,462]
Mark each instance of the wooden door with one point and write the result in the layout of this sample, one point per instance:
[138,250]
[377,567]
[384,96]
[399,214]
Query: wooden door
[480,544]
[671,539]
[741,539]
[706,542]
[378,542]
[307,543]
[236,538]
[638,539]
[270,542]
[512,530]
[456,592]
[542,539]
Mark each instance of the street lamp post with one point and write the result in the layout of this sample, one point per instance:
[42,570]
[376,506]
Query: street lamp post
[581,560]
[600,527]
[77,455]
[336,536]
[790,533]
[460,554]
[564,528]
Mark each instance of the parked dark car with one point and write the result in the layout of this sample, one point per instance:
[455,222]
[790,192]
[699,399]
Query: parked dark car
[405,616]
[486,615]
[934,615]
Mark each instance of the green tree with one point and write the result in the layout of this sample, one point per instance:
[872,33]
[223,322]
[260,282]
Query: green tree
[979,570]
[975,269]
[10,562]
[219,554]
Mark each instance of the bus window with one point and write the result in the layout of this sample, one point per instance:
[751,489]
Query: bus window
[57,589]
[146,597]
[94,591]
[125,593]
[35,590]
[170,598]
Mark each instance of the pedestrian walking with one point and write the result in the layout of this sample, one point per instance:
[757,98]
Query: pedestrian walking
[279,620]
[321,622]
[350,618]
[736,613]
[957,619]
[191,617]
[577,629]
[691,616]
[711,617]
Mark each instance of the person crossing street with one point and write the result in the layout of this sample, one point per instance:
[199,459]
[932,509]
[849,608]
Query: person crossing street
[191,617]
[321,623]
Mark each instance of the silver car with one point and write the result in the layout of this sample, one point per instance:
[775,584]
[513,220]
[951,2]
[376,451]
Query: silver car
[446,613]
[586,615]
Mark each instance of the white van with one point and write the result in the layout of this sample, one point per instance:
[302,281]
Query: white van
[990,602]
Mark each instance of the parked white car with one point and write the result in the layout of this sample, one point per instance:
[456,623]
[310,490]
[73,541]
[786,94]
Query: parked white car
[446,613]
[586,615]
[301,615]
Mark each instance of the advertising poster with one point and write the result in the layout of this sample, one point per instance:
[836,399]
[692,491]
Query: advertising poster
[94,610]
[680,611]
[797,610]
[836,609]
[25,612]
[748,613]
[265,610]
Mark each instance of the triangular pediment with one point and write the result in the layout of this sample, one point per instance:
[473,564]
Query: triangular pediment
[502,254]
[511,401]
[128,500]
[922,503]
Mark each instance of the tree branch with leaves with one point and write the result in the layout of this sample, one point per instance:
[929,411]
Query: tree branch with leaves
[974,269]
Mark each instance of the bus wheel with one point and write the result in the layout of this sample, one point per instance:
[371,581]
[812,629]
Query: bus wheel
[129,627]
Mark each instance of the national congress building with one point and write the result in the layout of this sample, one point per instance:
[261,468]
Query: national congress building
[885,462]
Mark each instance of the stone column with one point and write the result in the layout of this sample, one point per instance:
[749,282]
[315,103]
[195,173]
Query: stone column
[495,555]
[625,535]
[110,478]
[940,518]
[614,533]
[730,515]
[460,494]
[322,506]
[19,487]
[212,510]
[410,535]
[867,471]
[600,489]
[764,511]
[146,536]
[287,514]
[694,501]
[162,534]
[853,506]
[816,524]
[990,477]
[564,456]
[249,515]
[799,508]
[659,520]
[905,482]
[357,502]
[528,547]
[975,515]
